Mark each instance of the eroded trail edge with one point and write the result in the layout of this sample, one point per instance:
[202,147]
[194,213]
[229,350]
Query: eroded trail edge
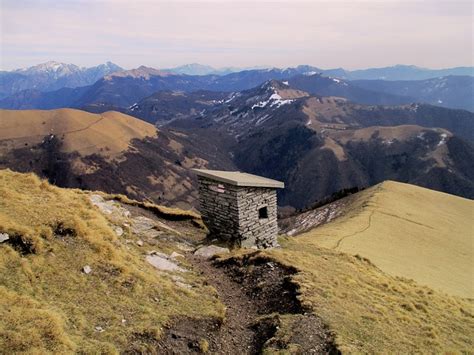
[262,312]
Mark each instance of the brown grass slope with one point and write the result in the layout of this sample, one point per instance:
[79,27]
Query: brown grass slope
[111,152]
[106,134]
[407,231]
[48,305]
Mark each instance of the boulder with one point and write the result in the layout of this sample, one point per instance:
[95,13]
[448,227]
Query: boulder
[87,269]
[163,264]
[110,208]
[146,227]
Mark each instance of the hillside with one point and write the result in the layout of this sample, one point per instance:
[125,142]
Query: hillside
[98,273]
[165,106]
[403,229]
[278,131]
[272,130]
[74,278]
[111,152]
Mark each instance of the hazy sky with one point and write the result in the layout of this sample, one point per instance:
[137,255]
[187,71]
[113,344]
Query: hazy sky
[349,34]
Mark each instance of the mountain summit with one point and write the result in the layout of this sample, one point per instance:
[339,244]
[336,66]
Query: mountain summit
[51,76]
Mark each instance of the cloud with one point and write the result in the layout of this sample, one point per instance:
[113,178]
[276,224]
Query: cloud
[237,33]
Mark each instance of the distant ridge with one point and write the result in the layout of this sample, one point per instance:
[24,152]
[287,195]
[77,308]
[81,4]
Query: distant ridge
[52,76]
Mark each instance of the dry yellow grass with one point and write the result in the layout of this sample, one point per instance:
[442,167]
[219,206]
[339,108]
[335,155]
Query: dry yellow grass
[370,311]
[47,304]
[337,149]
[324,110]
[106,134]
[408,231]
[291,93]
[402,132]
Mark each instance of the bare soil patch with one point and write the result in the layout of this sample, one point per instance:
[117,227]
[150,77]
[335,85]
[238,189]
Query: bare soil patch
[263,311]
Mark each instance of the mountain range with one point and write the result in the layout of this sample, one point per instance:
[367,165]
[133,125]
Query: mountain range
[287,134]
[273,130]
[396,72]
[52,76]
[102,251]
[122,89]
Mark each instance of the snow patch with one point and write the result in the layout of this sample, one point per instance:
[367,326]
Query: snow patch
[232,96]
[443,139]
[278,101]
[273,100]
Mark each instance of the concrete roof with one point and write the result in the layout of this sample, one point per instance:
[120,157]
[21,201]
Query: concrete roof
[239,179]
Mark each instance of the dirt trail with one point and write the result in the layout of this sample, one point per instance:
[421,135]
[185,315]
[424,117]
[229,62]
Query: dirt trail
[235,335]
[256,291]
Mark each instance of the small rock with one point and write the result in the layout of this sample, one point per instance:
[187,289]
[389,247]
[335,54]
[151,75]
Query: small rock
[209,251]
[140,243]
[4,237]
[86,269]
[119,231]
[99,329]
[175,255]
[124,321]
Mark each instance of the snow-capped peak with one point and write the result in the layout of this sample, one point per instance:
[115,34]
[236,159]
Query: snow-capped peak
[51,68]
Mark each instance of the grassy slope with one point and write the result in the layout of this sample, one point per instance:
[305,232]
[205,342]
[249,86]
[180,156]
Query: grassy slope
[407,231]
[370,311]
[48,304]
[106,134]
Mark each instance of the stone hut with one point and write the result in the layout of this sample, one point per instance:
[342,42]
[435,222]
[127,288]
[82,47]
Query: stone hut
[239,208]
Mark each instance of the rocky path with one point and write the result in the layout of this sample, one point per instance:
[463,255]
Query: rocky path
[255,289]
